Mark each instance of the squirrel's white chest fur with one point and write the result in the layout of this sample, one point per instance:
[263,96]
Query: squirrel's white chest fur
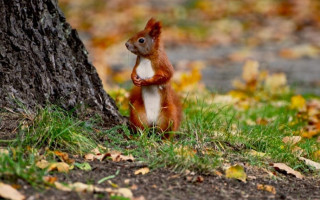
[150,94]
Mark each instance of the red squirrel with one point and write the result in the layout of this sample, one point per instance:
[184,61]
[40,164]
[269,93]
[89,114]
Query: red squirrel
[153,103]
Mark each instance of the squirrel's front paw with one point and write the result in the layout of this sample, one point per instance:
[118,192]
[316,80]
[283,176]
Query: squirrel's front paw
[137,81]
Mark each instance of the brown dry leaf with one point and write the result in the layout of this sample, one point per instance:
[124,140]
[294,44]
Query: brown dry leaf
[199,179]
[92,157]
[291,140]
[50,179]
[64,157]
[310,133]
[268,188]
[81,187]
[142,171]
[310,163]
[116,156]
[8,192]
[42,164]
[281,167]
[125,192]
[297,151]
[236,172]
[62,167]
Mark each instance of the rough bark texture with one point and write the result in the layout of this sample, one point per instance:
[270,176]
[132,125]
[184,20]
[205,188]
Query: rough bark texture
[42,60]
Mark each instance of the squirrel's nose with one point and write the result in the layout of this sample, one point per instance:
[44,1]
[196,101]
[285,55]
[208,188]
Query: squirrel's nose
[127,44]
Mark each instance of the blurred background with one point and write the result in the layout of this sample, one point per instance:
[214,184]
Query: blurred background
[207,41]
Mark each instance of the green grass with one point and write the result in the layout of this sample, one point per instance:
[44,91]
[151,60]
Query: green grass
[212,134]
[54,128]
[18,165]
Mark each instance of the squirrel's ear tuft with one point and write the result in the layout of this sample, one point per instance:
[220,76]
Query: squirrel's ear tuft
[150,23]
[155,30]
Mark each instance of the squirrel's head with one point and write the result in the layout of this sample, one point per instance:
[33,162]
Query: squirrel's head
[146,42]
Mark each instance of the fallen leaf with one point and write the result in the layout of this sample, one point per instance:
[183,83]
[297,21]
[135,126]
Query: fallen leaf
[236,172]
[268,188]
[8,192]
[92,157]
[117,156]
[50,179]
[62,167]
[309,134]
[310,163]
[297,151]
[81,187]
[42,164]
[125,192]
[84,166]
[64,157]
[142,171]
[281,167]
[298,102]
[199,179]
[291,140]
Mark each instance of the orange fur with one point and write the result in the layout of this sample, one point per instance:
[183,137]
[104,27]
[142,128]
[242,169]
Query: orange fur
[170,114]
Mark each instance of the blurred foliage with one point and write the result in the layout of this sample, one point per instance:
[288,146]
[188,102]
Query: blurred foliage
[104,24]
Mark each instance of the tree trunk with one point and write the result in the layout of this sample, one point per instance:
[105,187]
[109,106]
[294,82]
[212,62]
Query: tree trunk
[43,61]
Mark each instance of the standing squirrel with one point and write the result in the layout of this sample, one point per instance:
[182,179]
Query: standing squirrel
[153,103]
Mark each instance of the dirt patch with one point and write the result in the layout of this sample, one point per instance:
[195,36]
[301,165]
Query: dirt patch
[166,184]
[9,124]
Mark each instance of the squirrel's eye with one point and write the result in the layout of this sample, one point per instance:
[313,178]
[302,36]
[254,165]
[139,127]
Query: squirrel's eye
[141,40]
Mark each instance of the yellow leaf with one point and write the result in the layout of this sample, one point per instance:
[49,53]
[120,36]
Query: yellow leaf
[298,102]
[142,171]
[268,188]
[62,167]
[8,192]
[236,172]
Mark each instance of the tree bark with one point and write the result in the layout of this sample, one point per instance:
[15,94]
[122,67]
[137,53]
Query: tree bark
[43,61]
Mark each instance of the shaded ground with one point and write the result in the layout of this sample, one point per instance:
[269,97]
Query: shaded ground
[165,184]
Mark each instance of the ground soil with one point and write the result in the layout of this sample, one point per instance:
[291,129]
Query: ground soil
[166,184]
